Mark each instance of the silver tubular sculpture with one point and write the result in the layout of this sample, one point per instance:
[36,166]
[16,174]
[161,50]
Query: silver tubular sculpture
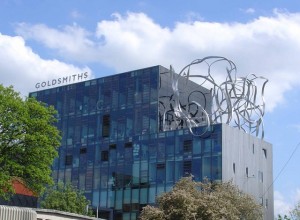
[237,101]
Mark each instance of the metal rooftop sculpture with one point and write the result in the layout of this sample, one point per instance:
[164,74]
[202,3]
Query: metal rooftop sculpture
[237,101]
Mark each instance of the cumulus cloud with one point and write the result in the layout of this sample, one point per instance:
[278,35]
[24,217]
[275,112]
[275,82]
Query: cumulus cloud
[193,16]
[281,206]
[249,10]
[284,204]
[75,14]
[266,46]
[20,66]
[133,41]
[71,42]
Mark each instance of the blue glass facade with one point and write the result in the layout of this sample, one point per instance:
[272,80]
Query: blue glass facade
[114,147]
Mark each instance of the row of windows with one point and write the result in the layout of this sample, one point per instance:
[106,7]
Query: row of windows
[263,150]
[116,92]
[139,176]
[115,126]
[260,173]
[121,152]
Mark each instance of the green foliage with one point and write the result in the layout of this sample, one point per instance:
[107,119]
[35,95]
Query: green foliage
[28,142]
[295,213]
[195,200]
[283,218]
[65,198]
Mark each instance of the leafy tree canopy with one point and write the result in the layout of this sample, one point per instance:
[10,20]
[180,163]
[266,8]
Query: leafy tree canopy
[283,217]
[294,214]
[65,198]
[195,200]
[28,142]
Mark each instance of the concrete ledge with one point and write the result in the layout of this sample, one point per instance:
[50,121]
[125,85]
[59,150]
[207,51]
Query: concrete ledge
[50,214]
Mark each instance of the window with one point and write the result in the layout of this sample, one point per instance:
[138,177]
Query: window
[187,167]
[105,126]
[83,150]
[160,166]
[126,207]
[127,145]
[104,155]
[160,178]
[112,146]
[187,146]
[233,166]
[253,148]
[68,160]
[207,146]
[261,176]
[265,152]
[247,173]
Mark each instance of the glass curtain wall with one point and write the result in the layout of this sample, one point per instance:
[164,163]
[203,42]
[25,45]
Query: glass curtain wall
[112,148]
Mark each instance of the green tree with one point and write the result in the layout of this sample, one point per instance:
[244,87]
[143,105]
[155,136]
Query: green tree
[65,198]
[195,200]
[283,218]
[28,142]
[295,213]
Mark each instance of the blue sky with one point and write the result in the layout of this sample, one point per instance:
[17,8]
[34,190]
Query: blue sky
[42,40]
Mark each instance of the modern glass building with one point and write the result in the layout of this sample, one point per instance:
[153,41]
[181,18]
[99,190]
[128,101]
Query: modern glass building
[122,146]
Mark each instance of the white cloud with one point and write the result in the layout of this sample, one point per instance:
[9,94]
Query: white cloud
[266,46]
[297,195]
[249,10]
[22,67]
[75,14]
[133,42]
[71,42]
[281,206]
[193,16]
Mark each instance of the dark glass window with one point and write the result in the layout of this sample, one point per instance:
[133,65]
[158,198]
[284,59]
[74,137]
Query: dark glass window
[196,169]
[89,179]
[160,166]
[112,146]
[128,153]
[126,207]
[112,156]
[160,178]
[160,151]
[68,160]
[129,144]
[83,150]
[207,146]
[105,126]
[206,167]
[187,167]
[187,146]
[104,155]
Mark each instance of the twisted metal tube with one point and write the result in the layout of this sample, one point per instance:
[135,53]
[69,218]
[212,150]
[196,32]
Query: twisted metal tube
[236,101]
